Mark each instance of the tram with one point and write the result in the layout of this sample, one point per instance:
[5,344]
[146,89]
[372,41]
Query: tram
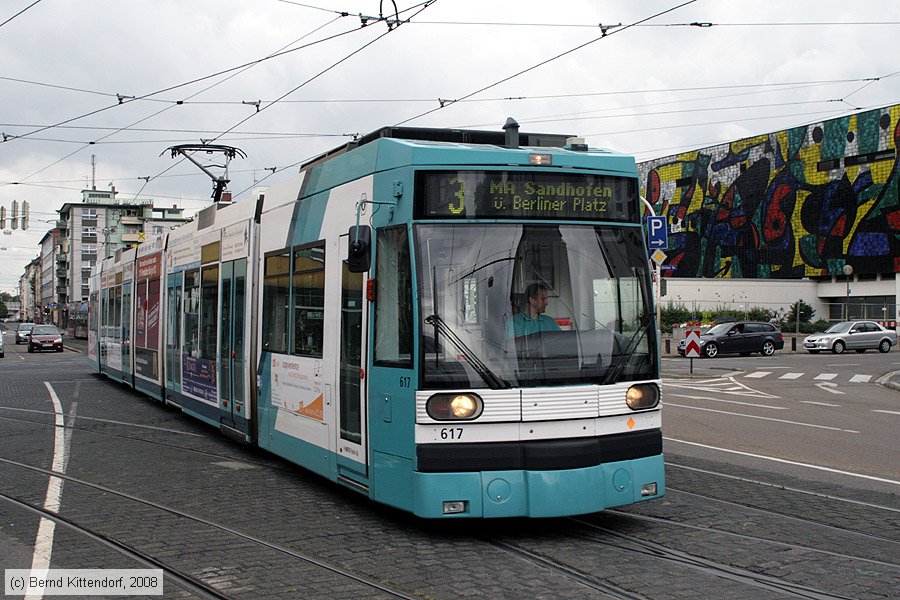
[454,323]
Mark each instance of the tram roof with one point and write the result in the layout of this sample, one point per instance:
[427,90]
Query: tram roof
[466,138]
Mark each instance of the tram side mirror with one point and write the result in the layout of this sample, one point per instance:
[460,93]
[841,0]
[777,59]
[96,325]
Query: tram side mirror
[359,252]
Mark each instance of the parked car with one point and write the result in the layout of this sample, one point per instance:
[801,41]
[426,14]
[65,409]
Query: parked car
[23,330]
[45,337]
[742,337]
[852,335]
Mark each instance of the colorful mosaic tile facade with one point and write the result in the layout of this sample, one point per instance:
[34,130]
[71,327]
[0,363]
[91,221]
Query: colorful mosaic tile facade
[797,203]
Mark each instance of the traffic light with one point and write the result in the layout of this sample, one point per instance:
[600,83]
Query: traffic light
[2,217]
[24,215]
[14,214]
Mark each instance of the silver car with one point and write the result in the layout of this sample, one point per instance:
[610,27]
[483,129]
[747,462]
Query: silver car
[852,335]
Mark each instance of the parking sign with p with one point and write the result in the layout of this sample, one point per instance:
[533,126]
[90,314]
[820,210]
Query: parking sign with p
[657,233]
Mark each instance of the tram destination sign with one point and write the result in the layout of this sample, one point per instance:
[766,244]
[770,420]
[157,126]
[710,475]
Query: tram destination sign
[525,195]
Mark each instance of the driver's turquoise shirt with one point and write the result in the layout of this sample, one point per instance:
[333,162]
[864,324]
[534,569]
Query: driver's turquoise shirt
[522,324]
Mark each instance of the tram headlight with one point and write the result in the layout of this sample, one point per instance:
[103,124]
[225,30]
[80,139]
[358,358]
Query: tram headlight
[642,396]
[454,407]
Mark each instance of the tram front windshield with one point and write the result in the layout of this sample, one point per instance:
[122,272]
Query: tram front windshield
[516,305]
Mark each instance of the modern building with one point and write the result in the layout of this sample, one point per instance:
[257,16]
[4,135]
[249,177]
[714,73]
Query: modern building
[100,225]
[810,213]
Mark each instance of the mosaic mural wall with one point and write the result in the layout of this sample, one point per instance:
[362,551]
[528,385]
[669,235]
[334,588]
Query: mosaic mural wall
[796,203]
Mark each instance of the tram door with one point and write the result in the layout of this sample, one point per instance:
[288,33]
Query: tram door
[352,444]
[231,341]
[126,330]
[173,331]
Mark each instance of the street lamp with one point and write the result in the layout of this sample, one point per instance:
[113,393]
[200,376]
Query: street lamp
[848,271]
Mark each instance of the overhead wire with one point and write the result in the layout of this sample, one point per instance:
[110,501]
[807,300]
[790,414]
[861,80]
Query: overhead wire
[422,6]
[19,13]
[128,99]
[701,24]
[549,60]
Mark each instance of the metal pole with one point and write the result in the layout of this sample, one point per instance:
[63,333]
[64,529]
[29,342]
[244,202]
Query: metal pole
[847,301]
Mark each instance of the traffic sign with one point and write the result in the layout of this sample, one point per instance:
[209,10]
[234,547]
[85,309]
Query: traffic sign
[658,256]
[657,232]
[692,343]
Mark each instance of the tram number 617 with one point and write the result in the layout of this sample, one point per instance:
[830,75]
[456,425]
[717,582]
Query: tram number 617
[451,433]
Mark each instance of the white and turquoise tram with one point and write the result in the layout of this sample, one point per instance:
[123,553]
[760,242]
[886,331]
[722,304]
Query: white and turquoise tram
[454,323]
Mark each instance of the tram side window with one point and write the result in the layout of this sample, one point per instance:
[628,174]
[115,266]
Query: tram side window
[209,312]
[92,312]
[394,309]
[191,346]
[276,297]
[309,300]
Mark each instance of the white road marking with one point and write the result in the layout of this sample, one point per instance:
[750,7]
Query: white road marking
[725,386]
[887,412]
[758,374]
[723,412]
[860,379]
[829,387]
[825,376]
[43,544]
[792,376]
[818,403]
[787,462]
[728,401]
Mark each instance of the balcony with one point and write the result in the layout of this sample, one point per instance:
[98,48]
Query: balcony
[130,220]
[133,237]
[62,259]
[62,225]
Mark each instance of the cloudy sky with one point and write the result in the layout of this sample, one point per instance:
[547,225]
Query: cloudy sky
[286,80]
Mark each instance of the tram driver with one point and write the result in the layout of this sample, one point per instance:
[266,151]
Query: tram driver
[531,318]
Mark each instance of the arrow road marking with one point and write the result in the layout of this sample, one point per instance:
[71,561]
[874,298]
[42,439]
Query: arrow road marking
[829,387]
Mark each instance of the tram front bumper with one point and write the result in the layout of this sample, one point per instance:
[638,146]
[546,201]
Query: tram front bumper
[529,493]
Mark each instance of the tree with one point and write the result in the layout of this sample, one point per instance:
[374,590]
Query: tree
[806,313]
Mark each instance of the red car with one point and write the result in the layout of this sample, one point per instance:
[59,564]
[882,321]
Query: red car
[45,337]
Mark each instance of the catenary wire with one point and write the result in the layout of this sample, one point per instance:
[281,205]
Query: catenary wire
[547,61]
[19,13]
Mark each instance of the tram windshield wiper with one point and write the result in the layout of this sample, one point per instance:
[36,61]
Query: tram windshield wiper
[480,367]
[619,360]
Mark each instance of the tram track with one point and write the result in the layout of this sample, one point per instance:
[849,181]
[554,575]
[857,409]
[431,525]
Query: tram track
[636,545]
[254,542]
[227,457]
[617,592]
[683,563]
[783,487]
[744,536]
[180,578]
[806,511]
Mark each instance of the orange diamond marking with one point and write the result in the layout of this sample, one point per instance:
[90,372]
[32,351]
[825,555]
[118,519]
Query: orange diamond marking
[630,423]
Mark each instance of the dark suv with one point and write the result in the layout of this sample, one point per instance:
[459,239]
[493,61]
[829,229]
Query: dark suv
[743,337]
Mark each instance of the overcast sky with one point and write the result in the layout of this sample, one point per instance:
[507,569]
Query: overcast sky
[125,80]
